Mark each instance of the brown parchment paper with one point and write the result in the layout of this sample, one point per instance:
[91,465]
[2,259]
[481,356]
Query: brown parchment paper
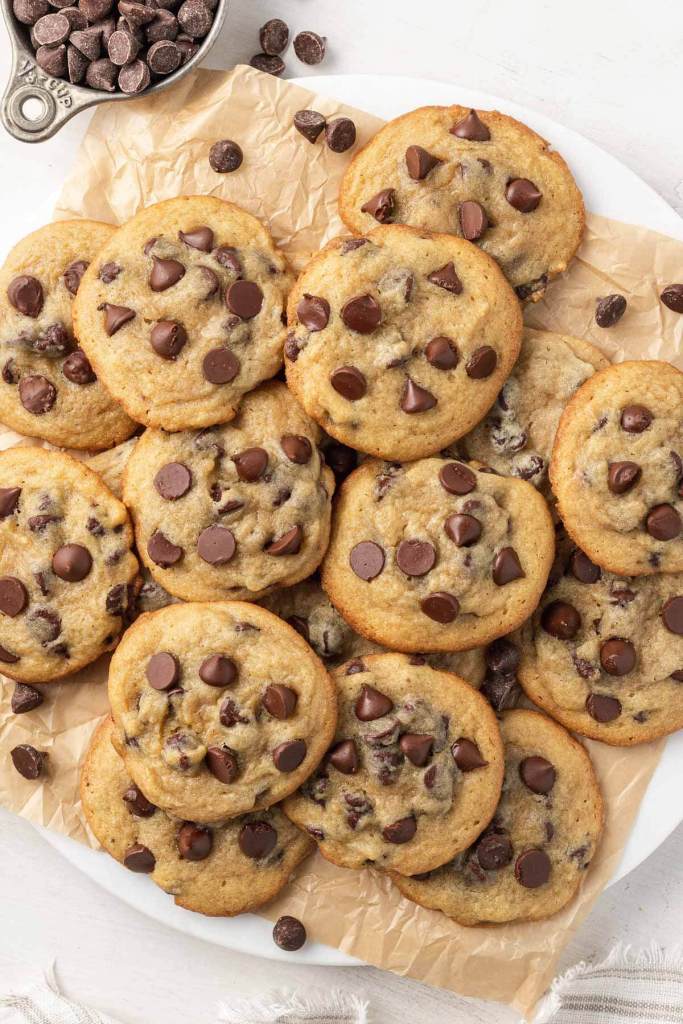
[141,152]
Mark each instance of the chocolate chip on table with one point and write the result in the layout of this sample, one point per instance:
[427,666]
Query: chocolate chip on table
[173,481]
[309,47]
[194,843]
[25,293]
[401,831]
[442,353]
[537,774]
[257,839]
[280,701]
[456,478]
[28,761]
[25,698]
[445,277]
[382,206]
[162,551]
[216,545]
[367,560]
[672,615]
[415,557]
[289,755]
[270,64]
[168,338]
[603,708]
[663,522]
[137,802]
[349,382]
[472,128]
[419,162]
[309,123]
[313,312]
[481,363]
[344,757]
[609,310]
[473,220]
[561,620]
[274,36]
[636,418]
[532,868]
[289,933]
[140,859]
[223,765]
[340,134]
[371,705]
[523,195]
[288,544]
[672,297]
[220,366]
[13,596]
[583,569]
[494,850]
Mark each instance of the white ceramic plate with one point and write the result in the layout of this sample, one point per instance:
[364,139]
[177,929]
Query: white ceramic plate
[610,189]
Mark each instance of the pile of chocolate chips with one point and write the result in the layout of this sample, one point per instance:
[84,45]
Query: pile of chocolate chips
[309,47]
[110,45]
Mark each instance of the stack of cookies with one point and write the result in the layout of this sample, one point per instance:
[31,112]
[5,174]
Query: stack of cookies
[326,590]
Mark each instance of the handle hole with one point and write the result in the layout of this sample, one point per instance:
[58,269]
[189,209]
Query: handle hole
[33,108]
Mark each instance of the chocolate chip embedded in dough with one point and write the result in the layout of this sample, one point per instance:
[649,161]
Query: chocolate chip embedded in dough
[623,476]
[72,562]
[506,567]
[289,755]
[216,545]
[220,366]
[362,314]
[371,704]
[76,368]
[415,398]
[561,620]
[367,560]
[287,544]
[467,755]
[194,843]
[344,757]
[313,312]
[473,220]
[162,551]
[446,277]
[481,363]
[537,774]
[440,606]
[415,557]
[115,317]
[25,293]
[442,353]
[472,128]
[401,831]
[532,868]
[162,671]
[280,701]
[381,206]
[165,273]
[457,478]
[617,656]
[173,481]
[257,839]
[636,418]
[420,162]
[523,195]
[349,382]
[603,708]
[663,522]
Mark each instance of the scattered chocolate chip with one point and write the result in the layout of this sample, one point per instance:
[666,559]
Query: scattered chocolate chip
[28,761]
[602,708]
[216,545]
[663,522]
[636,418]
[340,134]
[349,382]
[415,557]
[672,297]
[274,36]
[25,698]
[225,156]
[280,701]
[415,398]
[532,868]
[72,562]
[481,363]
[162,551]
[446,277]
[309,47]
[218,670]
[344,757]
[223,765]
[257,839]
[467,755]
[471,128]
[367,560]
[506,567]
[137,802]
[622,476]
[382,206]
[537,774]
[440,606]
[617,656]
[561,620]
[523,195]
[494,850]
[270,64]
[473,220]
[609,310]
[140,859]
[289,755]
[289,933]
[442,353]
[371,704]
[401,831]
[313,312]
[309,123]
[583,569]
[251,464]
[419,162]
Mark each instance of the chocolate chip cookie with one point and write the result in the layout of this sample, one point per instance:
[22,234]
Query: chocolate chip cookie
[220,709]
[617,468]
[67,573]
[516,438]
[436,555]
[48,388]
[477,174]
[219,870]
[234,510]
[182,312]
[308,609]
[604,654]
[529,862]
[414,773]
[399,342]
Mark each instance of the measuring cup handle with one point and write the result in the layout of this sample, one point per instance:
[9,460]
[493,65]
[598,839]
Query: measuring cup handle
[56,97]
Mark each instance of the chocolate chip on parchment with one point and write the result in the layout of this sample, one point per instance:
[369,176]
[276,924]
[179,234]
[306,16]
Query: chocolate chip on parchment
[25,698]
[523,195]
[270,64]
[37,394]
[603,708]
[340,134]
[419,162]
[25,293]
[309,123]
[309,47]
[28,761]
[257,839]
[382,206]
[289,933]
[609,310]
[472,128]
[672,297]
[274,36]
[473,220]
[367,560]
[168,338]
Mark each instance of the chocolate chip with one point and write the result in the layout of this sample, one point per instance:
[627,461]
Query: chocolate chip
[195,18]
[362,314]
[257,839]
[288,544]
[101,74]
[108,272]
[76,368]
[29,11]
[115,317]
[137,802]
[440,606]
[122,47]
[280,701]
[467,755]
[228,258]
[74,274]
[223,765]
[225,156]
[309,123]
[76,62]
[502,656]
[506,567]
[88,41]
[371,704]
[270,64]
[446,277]
[523,195]
[9,499]
[218,670]
[672,615]
[313,312]
[481,363]
[28,761]
[415,398]
[163,671]
[463,529]
[382,206]
[537,774]
[140,859]
[471,128]
[251,464]
[617,656]
[344,757]
[457,479]
[194,843]
[309,47]
[532,868]
[164,57]
[561,620]
[173,480]
[230,714]
[244,299]
[289,933]
[622,476]
[289,755]
[367,560]
[6,656]
[583,569]
[663,522]
[442,353]
[162,551]
[216,545]
[51,30]
[25,293]
[419,162]
[72,562]
[417,747]
[636,418]
[401,831]
[25,698]
[609,310]
[349,382]
[297,448]
[274,36]
[494,851]
[415,557]
[165,273]
[602,708]
[672,297]
[473,220]
[220,366]
[340,134]
[45,625]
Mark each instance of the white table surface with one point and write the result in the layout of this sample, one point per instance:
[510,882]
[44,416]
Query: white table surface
[609,70]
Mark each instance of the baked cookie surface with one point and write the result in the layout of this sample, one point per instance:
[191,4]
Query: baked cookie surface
[477,174]
[233,510]
[67,572]
[47,386]
[529,862]
[414,773]
[181,314]
[603,654]
[218,870]
[220,709]
[399,343]
[516,438]
[617,468]
[436,555]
